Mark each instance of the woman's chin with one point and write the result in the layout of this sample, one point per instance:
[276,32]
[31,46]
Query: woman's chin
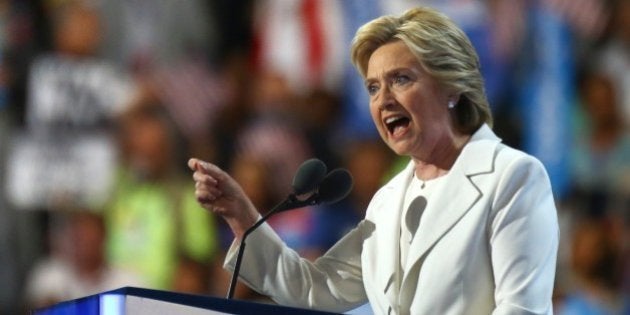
[399,148]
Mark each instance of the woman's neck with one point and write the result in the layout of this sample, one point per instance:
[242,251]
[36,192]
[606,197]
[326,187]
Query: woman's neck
[441,160]
[425,171]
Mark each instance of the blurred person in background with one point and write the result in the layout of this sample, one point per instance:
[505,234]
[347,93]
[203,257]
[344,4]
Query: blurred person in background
[596,265]
[77,266]
[613,57]
[600,160]
[152,218]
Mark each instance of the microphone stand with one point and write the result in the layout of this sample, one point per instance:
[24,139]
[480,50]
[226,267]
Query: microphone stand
[291,202]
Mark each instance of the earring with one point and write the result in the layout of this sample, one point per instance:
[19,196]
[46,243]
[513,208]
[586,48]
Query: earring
[451,104]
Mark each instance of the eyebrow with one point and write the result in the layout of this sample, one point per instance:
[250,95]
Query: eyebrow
[388,74]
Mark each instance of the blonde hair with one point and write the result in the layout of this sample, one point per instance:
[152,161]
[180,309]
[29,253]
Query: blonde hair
[442,49]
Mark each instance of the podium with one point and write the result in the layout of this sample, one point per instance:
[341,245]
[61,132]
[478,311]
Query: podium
[138,301]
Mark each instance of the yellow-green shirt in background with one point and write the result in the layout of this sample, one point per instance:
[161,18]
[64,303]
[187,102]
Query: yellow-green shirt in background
[151,224]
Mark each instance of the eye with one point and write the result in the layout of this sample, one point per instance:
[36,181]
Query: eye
[401,79]
[372,89]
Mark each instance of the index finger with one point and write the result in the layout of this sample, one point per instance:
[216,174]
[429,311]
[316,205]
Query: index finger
[192,163]
[205,167]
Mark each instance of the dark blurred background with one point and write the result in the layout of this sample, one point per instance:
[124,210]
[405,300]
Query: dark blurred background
[102,102]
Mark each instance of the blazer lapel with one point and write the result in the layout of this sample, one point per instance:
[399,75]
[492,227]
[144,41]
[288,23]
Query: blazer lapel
[457,196]
[388,224]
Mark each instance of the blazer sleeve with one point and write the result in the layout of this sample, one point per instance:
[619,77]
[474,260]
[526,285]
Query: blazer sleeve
[332,283]
[524,239]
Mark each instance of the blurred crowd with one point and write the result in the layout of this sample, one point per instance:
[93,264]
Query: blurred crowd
[103,101]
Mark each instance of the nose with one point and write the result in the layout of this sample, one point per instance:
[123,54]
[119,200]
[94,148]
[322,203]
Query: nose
[385,98]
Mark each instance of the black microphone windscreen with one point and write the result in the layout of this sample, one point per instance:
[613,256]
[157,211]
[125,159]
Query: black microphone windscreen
[335,186]
[308,176]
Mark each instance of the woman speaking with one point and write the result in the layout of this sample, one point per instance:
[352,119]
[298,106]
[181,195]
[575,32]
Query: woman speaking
[468,227]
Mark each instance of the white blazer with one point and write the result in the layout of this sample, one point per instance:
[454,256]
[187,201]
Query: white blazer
[486,244]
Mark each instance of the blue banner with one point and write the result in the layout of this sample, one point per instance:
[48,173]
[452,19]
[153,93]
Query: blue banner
[547,94]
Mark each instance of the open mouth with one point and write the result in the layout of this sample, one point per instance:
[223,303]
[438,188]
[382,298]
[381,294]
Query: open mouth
[396,124]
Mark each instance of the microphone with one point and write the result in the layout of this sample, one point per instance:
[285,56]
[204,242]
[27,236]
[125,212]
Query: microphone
[335,186]
[308,176]
[307,179]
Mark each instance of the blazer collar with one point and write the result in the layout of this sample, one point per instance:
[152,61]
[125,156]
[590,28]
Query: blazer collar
[476,158]
[450,204]
[478,155]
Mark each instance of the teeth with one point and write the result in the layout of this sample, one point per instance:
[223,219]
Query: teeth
[392,119]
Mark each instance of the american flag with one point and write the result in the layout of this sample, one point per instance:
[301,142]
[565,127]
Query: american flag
[301,40]
[192,93]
